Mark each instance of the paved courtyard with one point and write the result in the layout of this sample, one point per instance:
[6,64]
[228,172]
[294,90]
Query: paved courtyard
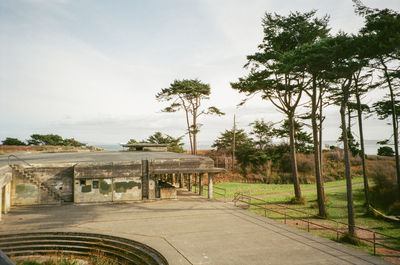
[191,231]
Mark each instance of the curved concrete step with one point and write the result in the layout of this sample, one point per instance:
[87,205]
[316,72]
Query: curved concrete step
[84,244]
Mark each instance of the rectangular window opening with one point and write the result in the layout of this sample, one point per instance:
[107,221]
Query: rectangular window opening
[95,184]
[82,182]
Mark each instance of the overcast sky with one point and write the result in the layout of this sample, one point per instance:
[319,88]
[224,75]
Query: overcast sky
[90,69]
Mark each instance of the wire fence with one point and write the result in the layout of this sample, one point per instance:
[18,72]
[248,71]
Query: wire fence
[382,244]
[216,190]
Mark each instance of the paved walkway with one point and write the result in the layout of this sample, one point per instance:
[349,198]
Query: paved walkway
[191,232]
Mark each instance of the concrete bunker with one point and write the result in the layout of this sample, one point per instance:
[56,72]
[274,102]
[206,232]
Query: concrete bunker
[102,180]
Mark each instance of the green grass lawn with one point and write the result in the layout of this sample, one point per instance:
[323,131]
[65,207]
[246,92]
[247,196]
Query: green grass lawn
[261,189]
[336,206]
[337,210]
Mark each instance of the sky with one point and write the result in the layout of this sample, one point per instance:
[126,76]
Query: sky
[90,69]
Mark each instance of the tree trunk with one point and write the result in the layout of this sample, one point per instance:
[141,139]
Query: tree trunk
[360,128]
[234,143]
[195,143]
[318,175]
[195,131]
[320,133]
[395,126]
[350,205]
[190,134]
[292,142]
[349,121]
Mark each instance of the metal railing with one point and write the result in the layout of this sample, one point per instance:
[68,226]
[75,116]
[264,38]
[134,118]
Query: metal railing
[373,238]
[218,193]
[216,190]
[18,158]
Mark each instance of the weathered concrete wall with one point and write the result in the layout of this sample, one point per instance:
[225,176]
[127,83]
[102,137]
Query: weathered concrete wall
[186,165]
[152,188]
[5,175]
[127,189]
[6,198]
[86,191]
[5,189]
[155,149]
[24,192]
[58,177]
[168,193]
[107,182]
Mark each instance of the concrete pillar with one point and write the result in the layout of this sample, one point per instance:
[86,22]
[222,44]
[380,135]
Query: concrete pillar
[180,181]
[7,197]
[195,183]
[201,184]
[210,186]
[152,188]
[183,180]
[173,179]
[190,182]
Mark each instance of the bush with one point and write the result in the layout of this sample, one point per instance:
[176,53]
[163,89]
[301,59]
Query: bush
[305,163]
[394,208]
[12,141]
[347,238]
[385,151]
[301,200]
[384,193]
[336,155]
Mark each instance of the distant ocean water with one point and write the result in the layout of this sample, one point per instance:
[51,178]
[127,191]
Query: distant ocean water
[109,147]
[371,146]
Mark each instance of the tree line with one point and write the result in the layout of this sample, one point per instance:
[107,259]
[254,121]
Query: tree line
[44,139]
[301,65]
[299,62]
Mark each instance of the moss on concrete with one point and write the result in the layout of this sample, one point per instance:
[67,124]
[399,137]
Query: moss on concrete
[105,188]
[25,190]
[87,188]
[122,187]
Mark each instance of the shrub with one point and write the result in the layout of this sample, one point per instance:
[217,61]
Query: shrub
[301,200]
[384,193]
[355,160]
[347,238]
[305,163]
[394,208]
[385,151]
[336,155]
[12,141]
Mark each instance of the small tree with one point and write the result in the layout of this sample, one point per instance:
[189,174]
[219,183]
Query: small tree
[225,140]
[73,142]
[132,141]
[385,151]
[303,139]
[45,139]
[353,144]
[188,94]
[12,141]
[174,144]
[263,133]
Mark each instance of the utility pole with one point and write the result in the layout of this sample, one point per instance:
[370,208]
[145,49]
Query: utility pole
[234,142]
